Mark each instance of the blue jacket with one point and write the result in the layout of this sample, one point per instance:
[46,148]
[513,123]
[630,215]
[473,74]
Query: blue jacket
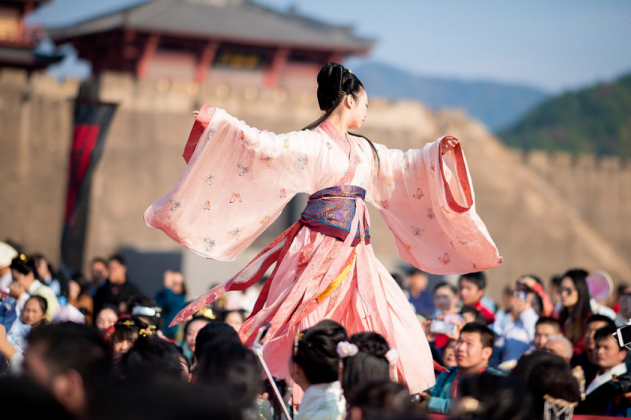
[442,390]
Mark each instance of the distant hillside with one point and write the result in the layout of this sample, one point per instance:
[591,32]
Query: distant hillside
[497,105]
[593,120]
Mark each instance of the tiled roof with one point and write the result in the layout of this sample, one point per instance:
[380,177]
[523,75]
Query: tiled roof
[231,20]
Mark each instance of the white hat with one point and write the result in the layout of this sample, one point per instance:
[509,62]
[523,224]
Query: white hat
[69,313]
[7,254]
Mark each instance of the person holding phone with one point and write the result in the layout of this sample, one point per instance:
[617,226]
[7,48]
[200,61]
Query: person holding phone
[516,331]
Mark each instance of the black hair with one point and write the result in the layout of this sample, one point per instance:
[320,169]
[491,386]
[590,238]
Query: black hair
[546,373]
[225,313]
[195,318]
[110,307]
[479,317]
[150,355]
[73,346]
[606,332]
[32,401]
[414,271]
[84,284]
[499,398]
[212,331]
[227,363]
[549,321]
[487,336]
[144,301]
[118,258]
[369,364]
[37,257]
[24,265]
[398,279]
[127,329]
[556,280]
[445,284]
[532,276]
[334,83]
[381,399]
[316,353]
[43,303]
[580,312]
[600,318]
[99,260]
[478,278]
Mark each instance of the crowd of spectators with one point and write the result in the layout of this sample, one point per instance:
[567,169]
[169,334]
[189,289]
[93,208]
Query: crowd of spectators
[98,348]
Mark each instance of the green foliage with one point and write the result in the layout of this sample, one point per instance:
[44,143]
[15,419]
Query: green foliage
[594,120]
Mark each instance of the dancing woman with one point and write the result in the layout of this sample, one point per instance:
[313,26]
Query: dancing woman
[238,180]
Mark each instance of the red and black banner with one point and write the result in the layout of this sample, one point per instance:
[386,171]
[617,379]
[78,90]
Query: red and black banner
[91,123]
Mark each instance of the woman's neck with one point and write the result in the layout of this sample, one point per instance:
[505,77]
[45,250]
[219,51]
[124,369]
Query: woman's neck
[339,123]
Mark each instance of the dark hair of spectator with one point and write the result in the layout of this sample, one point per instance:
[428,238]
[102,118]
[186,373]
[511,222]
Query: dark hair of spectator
[532,276]
[214,330]
[22,394]
[478,278]
[398,279]
[442,284]
[316,353]
[381,399]
[126,329]
[111,308]
[546,320]
[556,280]
[24,265]
[227,363]
[43,304]
[546,373]
[38,257]
[118,258]
[471,310]
[136,301]
[499,398]
[73,346]
[487,337]
[225,313]
[581,311]
[369,364]
[99,260]
[600,318]
[84,284]
[195,318]
[150,355]
[606,332]
[415,271]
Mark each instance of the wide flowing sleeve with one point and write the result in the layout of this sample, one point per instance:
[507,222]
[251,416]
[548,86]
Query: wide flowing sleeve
[236,183]
[427,200]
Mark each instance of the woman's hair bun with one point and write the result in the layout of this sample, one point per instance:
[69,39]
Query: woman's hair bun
[329,85]
[371,343]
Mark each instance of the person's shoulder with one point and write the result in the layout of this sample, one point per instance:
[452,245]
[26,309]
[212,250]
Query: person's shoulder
[494,371]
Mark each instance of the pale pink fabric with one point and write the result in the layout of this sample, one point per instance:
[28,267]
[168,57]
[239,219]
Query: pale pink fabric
[237,181]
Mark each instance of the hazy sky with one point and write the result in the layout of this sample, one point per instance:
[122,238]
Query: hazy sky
[551,44]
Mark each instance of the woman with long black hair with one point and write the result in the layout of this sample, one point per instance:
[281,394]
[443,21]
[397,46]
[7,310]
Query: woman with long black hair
[238,180]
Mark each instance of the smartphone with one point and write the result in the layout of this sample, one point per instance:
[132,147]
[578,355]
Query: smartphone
[624,335]
[452,318]
[442,327]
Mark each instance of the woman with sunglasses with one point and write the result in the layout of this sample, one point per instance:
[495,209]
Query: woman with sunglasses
[576,308]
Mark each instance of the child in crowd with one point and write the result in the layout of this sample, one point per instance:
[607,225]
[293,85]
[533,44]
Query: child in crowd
[471,289]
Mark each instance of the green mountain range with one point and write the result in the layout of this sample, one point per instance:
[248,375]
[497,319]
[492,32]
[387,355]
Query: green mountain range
[595,120]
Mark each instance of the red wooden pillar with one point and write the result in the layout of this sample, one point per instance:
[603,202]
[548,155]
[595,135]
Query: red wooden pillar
[278,63]
[205,61]
[142,68]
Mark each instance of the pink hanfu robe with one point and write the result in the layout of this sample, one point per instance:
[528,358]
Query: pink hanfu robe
[238,180]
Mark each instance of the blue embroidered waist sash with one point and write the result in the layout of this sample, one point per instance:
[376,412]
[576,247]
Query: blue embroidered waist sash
[331,211]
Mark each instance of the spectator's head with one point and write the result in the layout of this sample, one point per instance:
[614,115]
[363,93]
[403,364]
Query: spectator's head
[42,266]
[524,299]
[191,328]
[378,400]
[70,361]
[608,353]
[98,270]
[470,314]
[212,331]
[117,269]
[234,318]
[227,363]
[561,346]
[474,347]
[185,367]
[545,328]
[77,286]
[23,271]
[315,359]
[555,284]
[369,364]
[151,355]
[546,374]
[471,288]
[417,281]
[147,310]
[491,397]
[176,280]
[575,300]
[30,400]
[445,297]
[106,318]
[594,323]
[125,334]
[34,312]
[449,354]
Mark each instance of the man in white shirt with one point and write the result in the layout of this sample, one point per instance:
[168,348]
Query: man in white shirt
[7,254]
[610,360]
[516,330]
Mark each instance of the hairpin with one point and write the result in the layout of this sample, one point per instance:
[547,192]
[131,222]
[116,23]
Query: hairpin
[345,349]
[350,71]
[128,323]
[557,408]
[296,340]
[22,257]
[205,312]
[343,93]
[143,333]
[392,356]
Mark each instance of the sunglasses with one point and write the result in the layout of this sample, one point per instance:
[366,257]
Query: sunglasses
[565,291]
